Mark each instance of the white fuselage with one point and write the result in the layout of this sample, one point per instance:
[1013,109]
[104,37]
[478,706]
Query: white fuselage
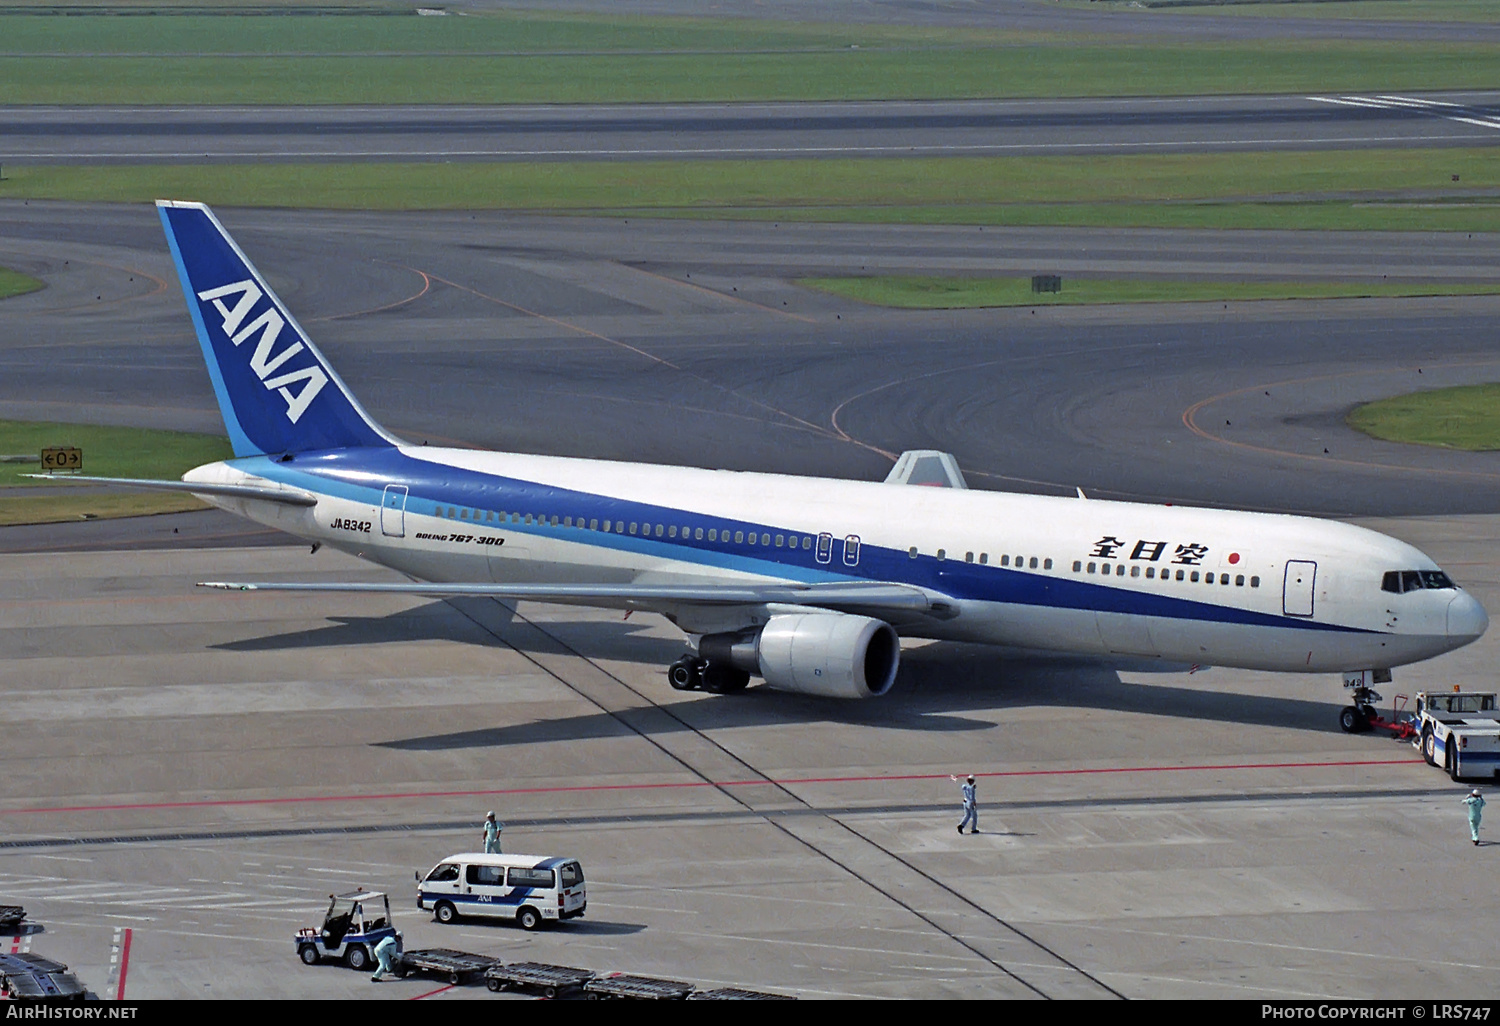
[1190,585]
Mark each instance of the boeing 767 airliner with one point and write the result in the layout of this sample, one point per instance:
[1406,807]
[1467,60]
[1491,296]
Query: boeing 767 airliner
[808,583]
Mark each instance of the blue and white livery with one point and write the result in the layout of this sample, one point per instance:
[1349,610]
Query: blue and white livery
[808,583]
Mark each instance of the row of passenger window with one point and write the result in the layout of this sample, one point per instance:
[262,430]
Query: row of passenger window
[1019,562]
[1193,576]
[635,527]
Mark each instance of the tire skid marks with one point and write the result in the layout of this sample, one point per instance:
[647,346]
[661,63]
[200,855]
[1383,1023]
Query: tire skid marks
[1436,108]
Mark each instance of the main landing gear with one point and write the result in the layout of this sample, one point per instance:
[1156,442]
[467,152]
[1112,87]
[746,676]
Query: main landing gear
[691,673]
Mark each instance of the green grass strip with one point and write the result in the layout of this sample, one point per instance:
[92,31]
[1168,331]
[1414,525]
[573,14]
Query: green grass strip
[937,293]
[14,283]
[107,452]
[536,58]
[1356,189]
[1017,72]
[1466,417]
[1478,11]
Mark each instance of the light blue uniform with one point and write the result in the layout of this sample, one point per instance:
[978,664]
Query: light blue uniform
[384,952]
[492,830]
[1476,810]
[971,809]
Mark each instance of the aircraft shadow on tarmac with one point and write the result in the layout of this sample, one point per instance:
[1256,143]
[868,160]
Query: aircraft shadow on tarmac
[937,684]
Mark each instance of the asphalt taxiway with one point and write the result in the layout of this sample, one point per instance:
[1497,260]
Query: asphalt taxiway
[203,769]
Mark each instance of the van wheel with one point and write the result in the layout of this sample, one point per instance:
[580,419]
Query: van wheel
[529,918]
[357,957]
[308,954]
[445,912]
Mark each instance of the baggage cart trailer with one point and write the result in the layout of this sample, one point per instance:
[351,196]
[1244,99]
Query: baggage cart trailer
[11,915]
[28,977]
[736,994]
[638,988]
[548,980]
[455,966]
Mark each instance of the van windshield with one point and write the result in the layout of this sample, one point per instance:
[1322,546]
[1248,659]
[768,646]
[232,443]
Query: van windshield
[570,874]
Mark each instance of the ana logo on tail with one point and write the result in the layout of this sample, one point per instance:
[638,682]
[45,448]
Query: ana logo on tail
[264,361]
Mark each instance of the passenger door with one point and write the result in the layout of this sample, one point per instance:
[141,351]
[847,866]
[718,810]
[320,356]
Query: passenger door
[1297,588]
[393,511]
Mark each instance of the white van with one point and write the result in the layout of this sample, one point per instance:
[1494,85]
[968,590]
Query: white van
[531,889]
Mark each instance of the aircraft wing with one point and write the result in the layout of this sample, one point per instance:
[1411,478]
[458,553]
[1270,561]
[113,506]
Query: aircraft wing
[863,596]
[290,496]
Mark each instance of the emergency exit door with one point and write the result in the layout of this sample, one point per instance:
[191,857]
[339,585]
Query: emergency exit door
[1297,589]
[393,511]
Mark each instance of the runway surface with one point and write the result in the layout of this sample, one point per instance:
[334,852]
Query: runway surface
[95,135]
[203,769]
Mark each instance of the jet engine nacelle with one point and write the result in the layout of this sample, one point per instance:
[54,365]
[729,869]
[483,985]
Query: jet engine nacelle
[836,655]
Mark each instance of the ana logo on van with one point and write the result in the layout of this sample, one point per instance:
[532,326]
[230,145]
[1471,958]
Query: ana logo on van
[265,361]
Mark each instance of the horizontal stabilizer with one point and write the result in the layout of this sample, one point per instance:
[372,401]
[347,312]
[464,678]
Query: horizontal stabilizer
[290,496]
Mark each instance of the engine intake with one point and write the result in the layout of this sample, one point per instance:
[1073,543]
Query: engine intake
[835,655]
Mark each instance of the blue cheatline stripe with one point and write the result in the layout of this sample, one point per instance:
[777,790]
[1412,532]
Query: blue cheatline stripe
[238,440]
[360,475]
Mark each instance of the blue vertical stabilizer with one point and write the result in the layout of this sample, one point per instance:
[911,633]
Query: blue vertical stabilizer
[276,391]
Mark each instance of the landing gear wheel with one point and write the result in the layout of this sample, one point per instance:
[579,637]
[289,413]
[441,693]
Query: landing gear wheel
[684,675]
[724,680]
[1351,720]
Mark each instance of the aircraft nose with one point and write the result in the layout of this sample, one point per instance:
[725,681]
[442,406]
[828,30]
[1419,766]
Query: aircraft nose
[1466,617]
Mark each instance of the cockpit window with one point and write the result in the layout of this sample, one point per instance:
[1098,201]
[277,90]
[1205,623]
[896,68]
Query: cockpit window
[1398,581]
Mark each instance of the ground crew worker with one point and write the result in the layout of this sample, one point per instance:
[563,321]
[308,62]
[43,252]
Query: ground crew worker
[1475,802]
[971,806]
[385,951]
[492,835]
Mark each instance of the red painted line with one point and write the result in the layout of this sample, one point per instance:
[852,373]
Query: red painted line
[429,994]
[124,964]
[231,802]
